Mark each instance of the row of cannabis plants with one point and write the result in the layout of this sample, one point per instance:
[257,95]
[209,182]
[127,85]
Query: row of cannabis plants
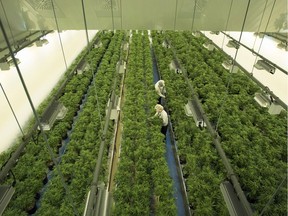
[78,162]
[201,167]
[254,141]
[35,167]
[143,184]
[58,88]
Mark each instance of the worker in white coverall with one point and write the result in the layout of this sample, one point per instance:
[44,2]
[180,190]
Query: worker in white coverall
[160,89]
[161,113]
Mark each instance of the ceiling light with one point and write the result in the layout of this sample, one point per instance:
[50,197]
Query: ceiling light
[215,32]
[263,65]
[233,44]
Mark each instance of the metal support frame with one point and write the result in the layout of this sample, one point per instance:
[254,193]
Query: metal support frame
[91,204]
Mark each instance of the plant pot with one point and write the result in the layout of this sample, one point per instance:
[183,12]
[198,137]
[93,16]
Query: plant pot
[50,164]
[185,175]
[37,196]
[182,159]
[68,179]
[31,208]
[64,136]
[45,179]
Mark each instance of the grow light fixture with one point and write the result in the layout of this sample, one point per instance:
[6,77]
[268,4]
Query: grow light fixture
[191,109]
[196,34]
[262,99]
[266,100]
[233,44]
[11,62]
[263,65]
[115,107]
[6,193]
[126,46]
[4,65]
[166,44]
[55,111]
[209,45]
[175,66]
[259,34]
[23,43]
[283,45]
[228,65]
[121,67]
[215,32]
[41,42]
[98,44]
[82,66]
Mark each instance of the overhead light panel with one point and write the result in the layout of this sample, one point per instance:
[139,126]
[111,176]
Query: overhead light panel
[233,44]
[263,65]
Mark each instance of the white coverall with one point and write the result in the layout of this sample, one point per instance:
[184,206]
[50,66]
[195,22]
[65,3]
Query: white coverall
[160,89]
